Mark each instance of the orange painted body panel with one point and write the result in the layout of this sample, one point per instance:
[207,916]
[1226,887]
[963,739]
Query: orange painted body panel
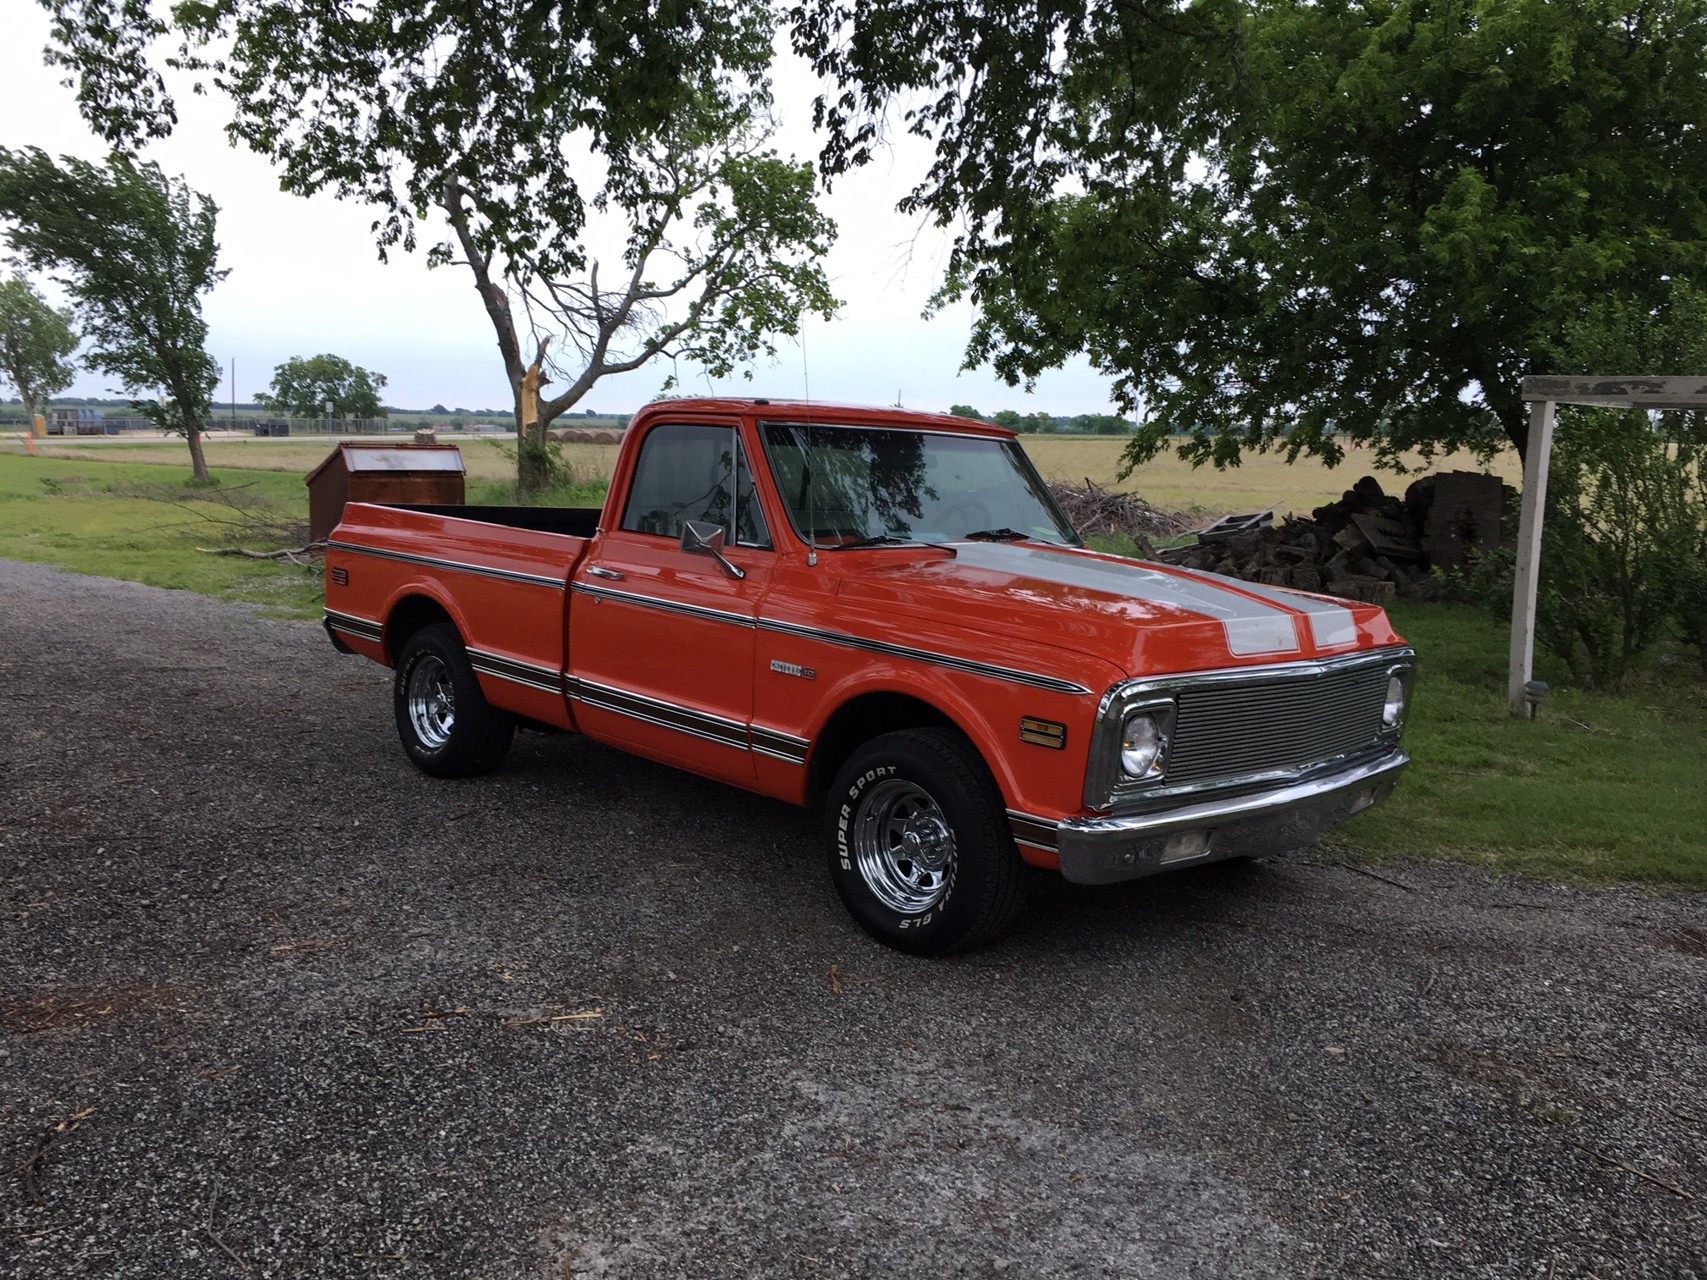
[517,617]
[666,654]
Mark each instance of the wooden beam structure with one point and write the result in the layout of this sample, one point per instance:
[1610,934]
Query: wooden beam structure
[1535,464]
[1544,395]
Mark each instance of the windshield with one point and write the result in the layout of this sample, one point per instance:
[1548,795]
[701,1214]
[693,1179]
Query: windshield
[847,486]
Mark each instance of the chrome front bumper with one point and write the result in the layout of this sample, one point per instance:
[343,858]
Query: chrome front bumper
[1104,850]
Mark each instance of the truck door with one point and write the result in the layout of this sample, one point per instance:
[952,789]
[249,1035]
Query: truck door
[662,640]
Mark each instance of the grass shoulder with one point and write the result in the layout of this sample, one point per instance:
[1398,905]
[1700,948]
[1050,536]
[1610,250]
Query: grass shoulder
[1600,788]
[150,524]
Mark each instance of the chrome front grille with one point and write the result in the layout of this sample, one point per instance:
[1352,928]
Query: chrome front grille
[1232,730]
[1244,727]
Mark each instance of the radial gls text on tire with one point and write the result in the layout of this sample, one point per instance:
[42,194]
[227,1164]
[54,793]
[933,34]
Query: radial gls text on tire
[447,727]
[919,845]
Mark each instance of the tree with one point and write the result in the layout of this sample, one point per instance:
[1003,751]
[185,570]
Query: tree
[34,341]
[513,119]
[1291,223]
[136,250]
[965,411]
[305,385]
[731,230]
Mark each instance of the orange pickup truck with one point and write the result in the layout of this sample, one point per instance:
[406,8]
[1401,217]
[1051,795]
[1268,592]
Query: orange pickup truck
[887,613]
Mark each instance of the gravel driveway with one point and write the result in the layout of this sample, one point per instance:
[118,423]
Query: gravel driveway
[273,1003]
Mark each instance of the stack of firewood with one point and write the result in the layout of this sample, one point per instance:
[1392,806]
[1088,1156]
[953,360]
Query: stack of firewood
[1366,546]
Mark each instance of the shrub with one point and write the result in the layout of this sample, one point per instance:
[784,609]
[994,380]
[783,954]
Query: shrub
[1623,544]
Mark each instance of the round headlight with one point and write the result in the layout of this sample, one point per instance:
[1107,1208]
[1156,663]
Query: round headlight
[1141,743]
[1393,709]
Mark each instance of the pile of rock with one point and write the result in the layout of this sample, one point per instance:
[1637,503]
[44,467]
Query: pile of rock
[1367,546]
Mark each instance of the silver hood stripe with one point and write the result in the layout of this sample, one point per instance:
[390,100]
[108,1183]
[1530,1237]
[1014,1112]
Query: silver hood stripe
[1252,627]
[1332,626]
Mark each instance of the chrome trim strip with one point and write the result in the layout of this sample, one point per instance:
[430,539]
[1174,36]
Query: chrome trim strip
[668,606]
[699,724]
[1051,683]
[1396,653]
[1104,850]
[666,715]
[350,624]
[836,423]
[1039,833]
[459,566]
[780,746]
[546,679]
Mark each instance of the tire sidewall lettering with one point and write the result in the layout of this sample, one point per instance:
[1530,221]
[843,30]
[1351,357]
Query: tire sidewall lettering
[844,819]
[845,815]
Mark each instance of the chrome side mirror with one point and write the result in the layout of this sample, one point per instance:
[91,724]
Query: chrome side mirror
[700,538]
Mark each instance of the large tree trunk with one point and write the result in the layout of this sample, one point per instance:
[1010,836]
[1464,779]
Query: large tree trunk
[533,455]
[1506,401]
[198,460]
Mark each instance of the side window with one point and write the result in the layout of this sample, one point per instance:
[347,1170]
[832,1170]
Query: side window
[750,527]
[694,473]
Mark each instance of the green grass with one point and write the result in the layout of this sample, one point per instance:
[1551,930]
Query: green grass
[1600,788]
[145,524]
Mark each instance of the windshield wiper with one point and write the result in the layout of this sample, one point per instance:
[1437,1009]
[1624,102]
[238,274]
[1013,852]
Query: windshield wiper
[882,540]
[998,535]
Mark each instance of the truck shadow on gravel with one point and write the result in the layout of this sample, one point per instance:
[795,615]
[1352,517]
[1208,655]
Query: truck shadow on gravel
[769,852]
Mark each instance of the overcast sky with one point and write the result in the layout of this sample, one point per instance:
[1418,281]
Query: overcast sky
[305,278]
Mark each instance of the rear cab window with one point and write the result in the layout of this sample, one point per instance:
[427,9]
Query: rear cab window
[695,472]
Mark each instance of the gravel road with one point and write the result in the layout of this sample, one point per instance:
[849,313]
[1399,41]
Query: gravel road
[274,1004]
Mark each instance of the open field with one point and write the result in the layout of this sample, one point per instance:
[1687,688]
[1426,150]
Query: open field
[125,520]
[1265,480]
[487,457]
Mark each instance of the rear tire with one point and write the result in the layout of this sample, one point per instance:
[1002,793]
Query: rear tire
[919,846]
[447,727]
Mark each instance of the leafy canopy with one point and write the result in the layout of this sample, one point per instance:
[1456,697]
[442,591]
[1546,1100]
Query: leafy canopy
[1289,223]
[136,250]
[305,385]
[517,121]
[35,339]
[383,101]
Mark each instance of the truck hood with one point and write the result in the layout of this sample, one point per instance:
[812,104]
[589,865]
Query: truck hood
[1145,618]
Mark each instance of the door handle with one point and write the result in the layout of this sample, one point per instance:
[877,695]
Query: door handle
[599,571]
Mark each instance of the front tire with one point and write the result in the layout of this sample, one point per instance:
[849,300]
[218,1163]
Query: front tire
[447,727]
[919,846]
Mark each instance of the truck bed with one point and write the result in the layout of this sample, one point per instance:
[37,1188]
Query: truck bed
[501,574]
[576,522]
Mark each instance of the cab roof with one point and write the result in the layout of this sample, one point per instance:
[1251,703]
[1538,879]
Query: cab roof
[824,413]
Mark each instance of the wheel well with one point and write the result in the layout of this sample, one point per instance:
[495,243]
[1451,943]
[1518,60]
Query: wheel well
[859,721]
[408,616]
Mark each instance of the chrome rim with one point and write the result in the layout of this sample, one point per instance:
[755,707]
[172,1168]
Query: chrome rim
[431,701]
[903,847]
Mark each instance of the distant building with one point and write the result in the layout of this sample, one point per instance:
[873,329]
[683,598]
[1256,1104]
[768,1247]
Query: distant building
[76,422]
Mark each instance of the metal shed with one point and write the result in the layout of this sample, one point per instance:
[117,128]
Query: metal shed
[404,474]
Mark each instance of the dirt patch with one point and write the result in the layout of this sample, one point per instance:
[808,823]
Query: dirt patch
[66,1009]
